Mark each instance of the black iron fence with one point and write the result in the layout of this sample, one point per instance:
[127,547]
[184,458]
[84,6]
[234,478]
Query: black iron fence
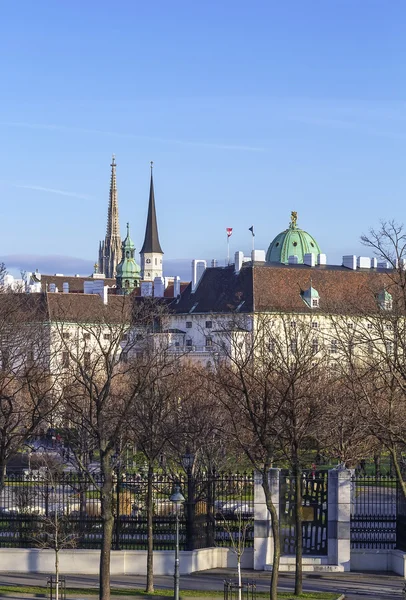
[218,509]
[373,512]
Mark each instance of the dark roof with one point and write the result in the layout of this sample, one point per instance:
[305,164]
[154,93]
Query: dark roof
[220,290]
[278,287]
[88,308]
[75,283]
[151,241]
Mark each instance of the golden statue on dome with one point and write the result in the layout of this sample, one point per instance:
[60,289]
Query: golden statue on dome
[293,219]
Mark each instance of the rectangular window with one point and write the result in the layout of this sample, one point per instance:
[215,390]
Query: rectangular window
[124,337]
[388,326]
[107,336]
[86,360]
[293,323]
[293,346]
[389,347]
[271,345]
[86,336]
[209,324]
[139,337]
[177,344]
[315,325]
[189,343]
[333,347]
[5,359]
[209,342]
[369,326]
[315,345]
[188,324]
[315,302]
[65,360]
[350,325]
[66,335]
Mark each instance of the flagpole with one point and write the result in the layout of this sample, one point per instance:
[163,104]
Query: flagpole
[228,249]
[253,242]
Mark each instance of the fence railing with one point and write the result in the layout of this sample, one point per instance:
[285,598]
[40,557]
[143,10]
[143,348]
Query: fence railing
[373,512]
[217,506]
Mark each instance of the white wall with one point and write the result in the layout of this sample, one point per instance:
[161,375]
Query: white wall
[123,562]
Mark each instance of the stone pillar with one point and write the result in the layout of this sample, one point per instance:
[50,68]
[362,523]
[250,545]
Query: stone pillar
[339,517]
[263,539]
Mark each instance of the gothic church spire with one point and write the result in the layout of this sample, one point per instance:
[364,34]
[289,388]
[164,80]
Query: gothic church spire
[110,248]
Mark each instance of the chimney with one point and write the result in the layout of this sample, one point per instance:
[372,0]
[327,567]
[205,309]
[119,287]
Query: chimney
[52,288]
[176,286]
[309,259]
[293,259]
[321,259]
[238,260]
[350,261]
[198,268]
[214,263]
[65,287]
[258,255]
[159,287]
[374,263]
[146,288]
[363,262]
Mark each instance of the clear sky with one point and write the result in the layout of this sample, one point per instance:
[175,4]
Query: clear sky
[248,109]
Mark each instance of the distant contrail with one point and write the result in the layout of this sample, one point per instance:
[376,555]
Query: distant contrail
[40,188]
[134,136]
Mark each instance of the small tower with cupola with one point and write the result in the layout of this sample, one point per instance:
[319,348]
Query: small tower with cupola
[128,271]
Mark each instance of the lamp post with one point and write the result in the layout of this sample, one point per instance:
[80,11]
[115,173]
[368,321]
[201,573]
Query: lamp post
[177,498]
[188,460]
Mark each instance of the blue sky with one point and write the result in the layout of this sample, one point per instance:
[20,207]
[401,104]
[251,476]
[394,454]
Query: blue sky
[248,109]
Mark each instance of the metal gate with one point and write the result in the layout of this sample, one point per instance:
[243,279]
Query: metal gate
[314,503]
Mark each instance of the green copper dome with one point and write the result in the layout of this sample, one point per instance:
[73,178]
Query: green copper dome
[292,241]
[127,272]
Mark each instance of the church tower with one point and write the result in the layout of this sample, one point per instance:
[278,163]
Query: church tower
[110,248]
[128,272]
[151,251]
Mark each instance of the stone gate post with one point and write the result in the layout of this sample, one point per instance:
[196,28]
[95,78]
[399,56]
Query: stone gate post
[263,539]
[339,517]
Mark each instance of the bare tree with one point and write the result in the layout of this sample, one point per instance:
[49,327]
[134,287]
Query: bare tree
[242,381]
[108,363]
[28,392]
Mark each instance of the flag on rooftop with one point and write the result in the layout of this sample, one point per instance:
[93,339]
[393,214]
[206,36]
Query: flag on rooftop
[229,231]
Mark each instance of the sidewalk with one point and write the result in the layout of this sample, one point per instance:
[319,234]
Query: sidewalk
[376,586]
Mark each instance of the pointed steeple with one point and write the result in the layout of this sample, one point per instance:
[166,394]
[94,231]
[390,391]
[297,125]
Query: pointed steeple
[110,248]
[151,241]
[113,227]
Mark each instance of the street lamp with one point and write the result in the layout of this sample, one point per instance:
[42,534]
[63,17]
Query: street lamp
[177,498]
[188,460]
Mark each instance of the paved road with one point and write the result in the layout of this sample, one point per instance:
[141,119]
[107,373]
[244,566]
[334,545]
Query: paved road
[356,586]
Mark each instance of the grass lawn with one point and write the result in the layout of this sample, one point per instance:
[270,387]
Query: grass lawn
[40,592]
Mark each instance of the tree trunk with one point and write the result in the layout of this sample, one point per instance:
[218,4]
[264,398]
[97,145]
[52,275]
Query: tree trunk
[398,471]
[239,576]
[299,531]
[107,525]
[377,461]
[3,470]
[150,533]
[276,536]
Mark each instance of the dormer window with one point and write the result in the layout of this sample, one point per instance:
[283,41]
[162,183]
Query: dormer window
[384,300]
[311,297]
